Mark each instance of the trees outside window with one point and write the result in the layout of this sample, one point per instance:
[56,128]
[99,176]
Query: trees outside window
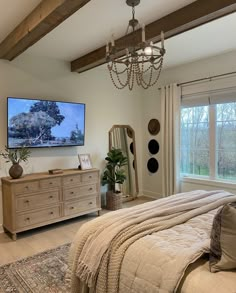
[226,141]
[208,141]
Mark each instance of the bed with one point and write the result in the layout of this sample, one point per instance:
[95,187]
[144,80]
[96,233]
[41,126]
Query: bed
[159,246]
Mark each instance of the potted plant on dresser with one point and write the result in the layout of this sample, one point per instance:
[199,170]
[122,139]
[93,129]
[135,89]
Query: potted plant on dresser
[15,156]
[114,175]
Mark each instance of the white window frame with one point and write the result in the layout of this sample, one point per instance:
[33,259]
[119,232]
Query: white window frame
[212,152]
[209,93]
[212,142]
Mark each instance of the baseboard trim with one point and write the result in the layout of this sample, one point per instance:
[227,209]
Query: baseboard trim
[151,194]
[1,229]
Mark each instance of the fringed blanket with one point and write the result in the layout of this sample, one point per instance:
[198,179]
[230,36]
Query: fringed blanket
[100,246]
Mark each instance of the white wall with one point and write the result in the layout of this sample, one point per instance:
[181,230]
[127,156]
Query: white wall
[151,109]
[51,79]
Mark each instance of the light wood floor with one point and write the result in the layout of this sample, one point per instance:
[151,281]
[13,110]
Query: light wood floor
[37,240]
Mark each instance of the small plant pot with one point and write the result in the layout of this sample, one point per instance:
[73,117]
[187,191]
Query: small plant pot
[114,201]
[15,171]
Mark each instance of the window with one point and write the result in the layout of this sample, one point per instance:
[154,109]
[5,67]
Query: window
[208,141]
[226,141]
[195,140]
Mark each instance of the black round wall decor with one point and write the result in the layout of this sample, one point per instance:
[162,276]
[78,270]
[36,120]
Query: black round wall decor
[153,146]
[154,126]
[131,147]
[152,165]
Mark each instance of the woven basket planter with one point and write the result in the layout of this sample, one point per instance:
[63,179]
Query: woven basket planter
[114,201]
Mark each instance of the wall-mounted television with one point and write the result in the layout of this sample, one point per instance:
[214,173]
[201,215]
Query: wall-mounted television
[36,123]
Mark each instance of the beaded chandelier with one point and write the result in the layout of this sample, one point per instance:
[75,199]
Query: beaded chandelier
[140,61]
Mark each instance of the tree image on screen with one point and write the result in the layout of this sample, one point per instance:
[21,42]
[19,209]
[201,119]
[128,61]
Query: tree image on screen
[50,108]
[55,118]
[76,134]
[36,127]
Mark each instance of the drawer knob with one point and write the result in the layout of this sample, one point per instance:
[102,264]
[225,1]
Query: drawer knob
[72,192]
[90,188]
[90,176]
[50,183]
[27,219]
[26,187]
[50,196]
[27,201]
[91,202]
[51,213]
[71,208]
[71,179]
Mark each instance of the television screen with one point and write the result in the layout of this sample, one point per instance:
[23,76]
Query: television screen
[41,123]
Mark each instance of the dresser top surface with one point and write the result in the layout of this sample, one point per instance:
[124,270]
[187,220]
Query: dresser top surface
[46,175]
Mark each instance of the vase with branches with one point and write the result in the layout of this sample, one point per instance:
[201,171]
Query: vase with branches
[15,156]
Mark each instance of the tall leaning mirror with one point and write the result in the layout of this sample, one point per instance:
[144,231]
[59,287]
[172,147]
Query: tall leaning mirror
[123,137]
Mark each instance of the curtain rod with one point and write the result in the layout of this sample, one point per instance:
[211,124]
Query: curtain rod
[204,78]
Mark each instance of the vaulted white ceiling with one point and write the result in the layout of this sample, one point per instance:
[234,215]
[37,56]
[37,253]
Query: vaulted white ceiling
[12,12]
[92,26]
[211,39]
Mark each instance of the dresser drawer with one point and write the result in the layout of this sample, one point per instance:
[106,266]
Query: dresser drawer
[71,180]
[26,187]
[78,191]
[33,218]
[48,183]
[80,206]
[35,201]
[89,177]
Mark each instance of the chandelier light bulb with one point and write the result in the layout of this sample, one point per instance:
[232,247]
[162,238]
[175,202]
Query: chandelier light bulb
[148,50]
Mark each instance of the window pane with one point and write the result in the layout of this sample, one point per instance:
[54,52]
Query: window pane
[226,141]
[195,140]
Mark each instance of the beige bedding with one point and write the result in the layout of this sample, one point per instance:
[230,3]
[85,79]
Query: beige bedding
[164,256]
[146,248]
[198,279]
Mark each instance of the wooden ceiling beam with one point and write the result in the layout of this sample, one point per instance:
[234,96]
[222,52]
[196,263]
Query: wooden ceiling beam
[43,19]
[186,18]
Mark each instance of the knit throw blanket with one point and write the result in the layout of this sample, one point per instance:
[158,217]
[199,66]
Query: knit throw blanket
[100,245]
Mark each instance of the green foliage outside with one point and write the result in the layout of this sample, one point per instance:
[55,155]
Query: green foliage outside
[113,172]
[195,141]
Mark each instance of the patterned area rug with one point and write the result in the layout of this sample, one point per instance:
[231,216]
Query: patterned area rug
[43,272]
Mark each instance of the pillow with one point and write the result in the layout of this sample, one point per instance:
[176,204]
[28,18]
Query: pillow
[223,239]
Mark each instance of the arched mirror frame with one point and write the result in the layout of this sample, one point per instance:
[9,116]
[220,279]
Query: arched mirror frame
[134,152]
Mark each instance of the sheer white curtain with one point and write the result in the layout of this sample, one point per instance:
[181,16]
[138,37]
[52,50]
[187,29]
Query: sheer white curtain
[170,125]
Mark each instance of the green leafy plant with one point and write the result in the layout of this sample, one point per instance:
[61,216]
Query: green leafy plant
[15,155]
[114,173]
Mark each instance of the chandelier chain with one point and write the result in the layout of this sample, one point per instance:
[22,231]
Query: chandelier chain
[133,12]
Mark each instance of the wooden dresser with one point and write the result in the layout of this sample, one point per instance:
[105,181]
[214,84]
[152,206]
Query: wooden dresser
[40,199]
